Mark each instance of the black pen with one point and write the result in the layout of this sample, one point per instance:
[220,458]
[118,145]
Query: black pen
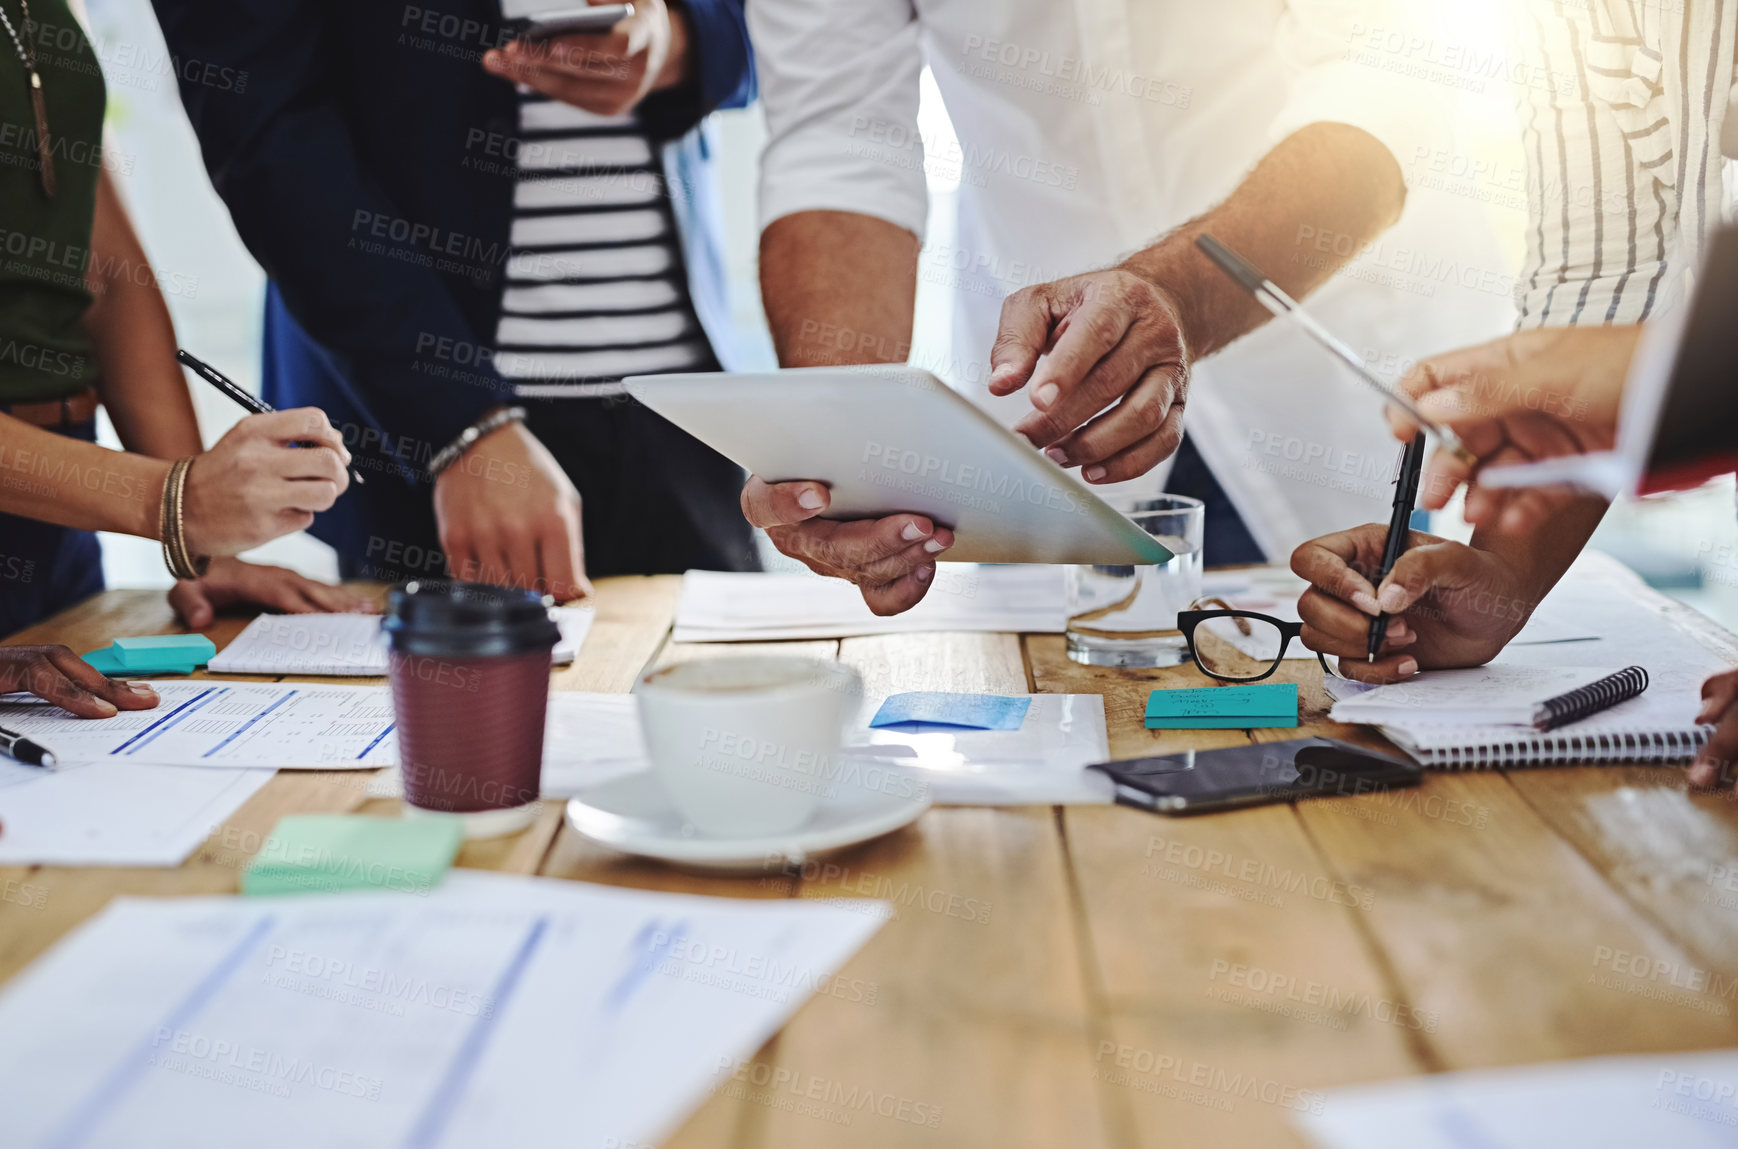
[228,386]
[1399,527]
[22,749]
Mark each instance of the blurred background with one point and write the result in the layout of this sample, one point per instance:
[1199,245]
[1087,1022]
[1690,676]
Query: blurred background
[1686,545]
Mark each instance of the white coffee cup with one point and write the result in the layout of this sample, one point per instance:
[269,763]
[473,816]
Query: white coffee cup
[749,745]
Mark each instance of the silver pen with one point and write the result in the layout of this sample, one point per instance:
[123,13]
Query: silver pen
[1271,296]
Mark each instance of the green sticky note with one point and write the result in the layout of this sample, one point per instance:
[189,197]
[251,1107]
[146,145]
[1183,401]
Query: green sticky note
[325,853]
[1260,704]
[153,654]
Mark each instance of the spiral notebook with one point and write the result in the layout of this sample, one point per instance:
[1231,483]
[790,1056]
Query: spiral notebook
[1508,715]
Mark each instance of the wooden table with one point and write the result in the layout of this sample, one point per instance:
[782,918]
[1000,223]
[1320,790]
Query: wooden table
[1098,976]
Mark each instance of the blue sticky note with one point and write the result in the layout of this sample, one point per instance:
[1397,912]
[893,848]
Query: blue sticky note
[1258,704]
[153,654]
[966,711]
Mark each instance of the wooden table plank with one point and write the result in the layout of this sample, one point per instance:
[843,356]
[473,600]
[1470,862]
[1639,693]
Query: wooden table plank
[1234,980]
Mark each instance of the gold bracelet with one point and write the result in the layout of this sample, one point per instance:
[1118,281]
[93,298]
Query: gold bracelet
[172,524]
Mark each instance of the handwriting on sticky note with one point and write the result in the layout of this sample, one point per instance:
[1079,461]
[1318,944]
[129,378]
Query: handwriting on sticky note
[939,708]
[1224,701]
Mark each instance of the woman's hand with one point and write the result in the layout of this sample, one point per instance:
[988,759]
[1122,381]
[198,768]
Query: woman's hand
[256,484]
[231,582]
[57,675]
[1534,395]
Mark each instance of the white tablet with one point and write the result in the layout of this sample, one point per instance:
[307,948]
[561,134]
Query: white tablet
[891,439]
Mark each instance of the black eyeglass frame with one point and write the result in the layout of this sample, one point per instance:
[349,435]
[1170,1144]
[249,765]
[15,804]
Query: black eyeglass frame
[1188,620]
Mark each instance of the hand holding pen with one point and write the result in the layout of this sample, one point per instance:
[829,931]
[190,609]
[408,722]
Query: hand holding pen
[250,403]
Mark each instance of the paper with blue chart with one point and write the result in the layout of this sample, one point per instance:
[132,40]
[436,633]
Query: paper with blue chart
[288,725]
[494,1011]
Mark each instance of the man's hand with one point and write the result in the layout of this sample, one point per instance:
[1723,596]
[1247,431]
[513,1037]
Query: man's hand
[231,582]
[1534,395]
[58,675]
[1451,605]
[607,73]
[1107,337]
[891,560]
[1713,764]
[508,515]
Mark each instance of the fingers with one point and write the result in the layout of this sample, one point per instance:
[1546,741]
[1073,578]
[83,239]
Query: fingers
[1091,366]
[1329,564]
[1713,763]
[902,594]
[1132,438]
[563,566]
[1385,671]
[55,674]
[848,549]
[1419,571]
[191,605]
[1021,338]
[767,505]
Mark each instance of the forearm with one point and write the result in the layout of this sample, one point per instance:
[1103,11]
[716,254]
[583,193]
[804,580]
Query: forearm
[839,288]
[77,484]
[1328,182]
[129,324]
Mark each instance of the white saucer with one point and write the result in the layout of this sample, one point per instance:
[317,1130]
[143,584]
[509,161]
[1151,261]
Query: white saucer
[633,815]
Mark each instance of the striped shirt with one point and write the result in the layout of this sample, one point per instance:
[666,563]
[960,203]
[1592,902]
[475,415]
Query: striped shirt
[1622,131]
[595,286]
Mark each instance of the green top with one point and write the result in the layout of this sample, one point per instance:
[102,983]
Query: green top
[45,243]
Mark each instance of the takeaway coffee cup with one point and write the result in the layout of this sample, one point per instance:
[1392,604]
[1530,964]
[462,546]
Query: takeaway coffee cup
[469,666]
[747,746]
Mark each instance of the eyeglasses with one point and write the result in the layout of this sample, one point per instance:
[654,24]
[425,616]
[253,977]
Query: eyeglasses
[1239,645]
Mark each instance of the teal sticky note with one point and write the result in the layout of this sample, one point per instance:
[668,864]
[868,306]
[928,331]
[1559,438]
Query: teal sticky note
[153,654]
[1261,704]
[939,708]
[325,853]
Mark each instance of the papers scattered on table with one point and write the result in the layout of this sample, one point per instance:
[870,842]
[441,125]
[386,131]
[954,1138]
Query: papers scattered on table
[494,1011]
[231,724]
[1688,1099]
[345,644]
[1042,763]
[718,606]
[115,813]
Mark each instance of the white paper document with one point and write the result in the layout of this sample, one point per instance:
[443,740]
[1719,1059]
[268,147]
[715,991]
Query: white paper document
[346,644]
[202,722]
[1681,1101]
[115,813]
[718,606]
[1043,763]
[495,1011]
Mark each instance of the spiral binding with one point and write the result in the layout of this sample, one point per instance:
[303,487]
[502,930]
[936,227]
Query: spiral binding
[1621,746]
[1592,698]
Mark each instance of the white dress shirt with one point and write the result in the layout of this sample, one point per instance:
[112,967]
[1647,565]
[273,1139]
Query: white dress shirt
[1089,127]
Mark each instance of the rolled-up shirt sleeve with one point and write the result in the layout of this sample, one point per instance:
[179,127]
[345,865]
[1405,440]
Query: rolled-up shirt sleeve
[1367,64]
[839,82]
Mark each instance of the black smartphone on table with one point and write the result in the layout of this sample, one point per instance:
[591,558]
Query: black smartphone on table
[1201,781]
[569,21]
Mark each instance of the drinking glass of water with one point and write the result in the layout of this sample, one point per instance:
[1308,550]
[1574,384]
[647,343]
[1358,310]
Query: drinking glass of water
[1127,615]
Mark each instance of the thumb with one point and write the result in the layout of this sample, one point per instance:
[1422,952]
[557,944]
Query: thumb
[1020,339]
[191,605]
[1419,571]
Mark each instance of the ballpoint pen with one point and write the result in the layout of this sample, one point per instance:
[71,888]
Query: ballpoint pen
[1269,295]
[21,749]
[1399,528]
[229,387]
